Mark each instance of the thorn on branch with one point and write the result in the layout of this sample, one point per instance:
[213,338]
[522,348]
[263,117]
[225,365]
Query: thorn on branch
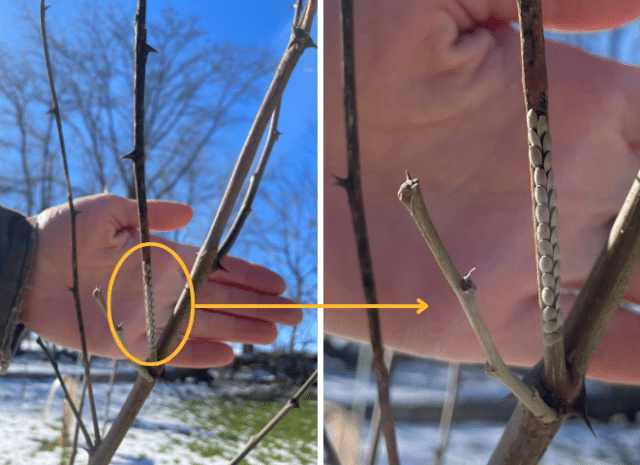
[149,49]
[303,38]
[52,111]
[343,182]
[128,156]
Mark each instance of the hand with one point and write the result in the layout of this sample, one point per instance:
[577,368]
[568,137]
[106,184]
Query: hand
[440,94]
[106,230]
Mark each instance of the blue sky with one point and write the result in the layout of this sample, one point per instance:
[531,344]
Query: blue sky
[261,23]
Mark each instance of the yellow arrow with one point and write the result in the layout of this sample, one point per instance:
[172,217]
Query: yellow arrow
[421,307]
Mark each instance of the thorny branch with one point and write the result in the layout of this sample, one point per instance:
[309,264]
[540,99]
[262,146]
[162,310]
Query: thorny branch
[142,49]
[254,184]
[293,402]
[207,261]
[74,250]
[256,177]
[352,184]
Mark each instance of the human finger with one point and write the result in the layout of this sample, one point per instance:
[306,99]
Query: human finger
[577,15]
[218,326]
[203,354]
[236,271]
[216,293]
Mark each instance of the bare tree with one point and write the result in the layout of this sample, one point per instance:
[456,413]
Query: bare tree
[195,89]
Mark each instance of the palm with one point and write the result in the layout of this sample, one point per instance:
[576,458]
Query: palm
[106,231]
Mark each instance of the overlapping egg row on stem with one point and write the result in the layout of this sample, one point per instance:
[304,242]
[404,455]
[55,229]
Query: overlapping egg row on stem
[546,217]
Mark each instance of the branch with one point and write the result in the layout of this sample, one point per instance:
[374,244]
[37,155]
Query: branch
[74,249]
[544,197]
[97,294]
[453,380]
[138,156]
[594,308]
[293,402]
[207,261]
[376,418]
[254,184]
[353,185]
[66,394]
[411,197]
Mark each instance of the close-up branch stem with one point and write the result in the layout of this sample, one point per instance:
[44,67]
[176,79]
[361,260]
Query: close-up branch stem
[543,194]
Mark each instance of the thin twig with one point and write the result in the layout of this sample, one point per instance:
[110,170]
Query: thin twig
[207,261]
[256,177]
[76,433]
[137,156]
[66,393]
[293,402]
[376,417]
[107,401]
[353,185]
[411,197]
[74,250]
[453,377]
[544,197]
[254,184]
[97,294]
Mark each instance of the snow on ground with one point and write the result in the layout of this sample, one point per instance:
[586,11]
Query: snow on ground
[419,386]
[473,442]
[178,424]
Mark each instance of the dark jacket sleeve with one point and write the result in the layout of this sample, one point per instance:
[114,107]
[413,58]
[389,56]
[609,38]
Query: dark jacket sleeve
[17,246]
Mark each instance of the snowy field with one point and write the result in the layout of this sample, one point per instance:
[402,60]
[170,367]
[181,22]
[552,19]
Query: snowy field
[180,423]
[418,391]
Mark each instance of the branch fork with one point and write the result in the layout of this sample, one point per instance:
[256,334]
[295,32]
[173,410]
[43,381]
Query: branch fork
[410,196]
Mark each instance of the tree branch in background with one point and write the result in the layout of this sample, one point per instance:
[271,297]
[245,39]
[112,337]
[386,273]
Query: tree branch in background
[66,394]
[207,261]
[293,402]
[352,184]
[376,416]
[74,251]
[410,196]
[453,378]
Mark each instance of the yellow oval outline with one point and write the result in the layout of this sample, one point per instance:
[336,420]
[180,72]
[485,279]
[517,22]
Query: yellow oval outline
[193,304]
